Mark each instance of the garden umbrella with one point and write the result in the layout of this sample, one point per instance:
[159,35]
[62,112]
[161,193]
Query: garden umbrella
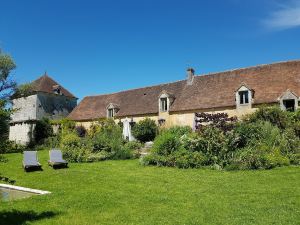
[127,130]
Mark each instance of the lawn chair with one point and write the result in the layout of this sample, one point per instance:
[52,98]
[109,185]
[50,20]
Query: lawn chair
[56,159]
[30,160]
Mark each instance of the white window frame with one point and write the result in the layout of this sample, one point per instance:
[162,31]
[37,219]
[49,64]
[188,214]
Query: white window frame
[241,103]
[111,113]
[244,97]
[164,104]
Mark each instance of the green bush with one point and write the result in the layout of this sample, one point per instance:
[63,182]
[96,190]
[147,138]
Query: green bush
[169,150]
[260,157]
[42,130]
[213,144]
[270,149]
[108,138]
[274,115]
[67,126]
[145,130]
[52,142]
[70,140]
[11,147]
[250,145]
[166,143]
[74,148]
[134,147]
[76,154]
[179,131]
[99,156]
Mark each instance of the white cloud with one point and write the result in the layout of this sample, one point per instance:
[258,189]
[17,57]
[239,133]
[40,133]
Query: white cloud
[284,17]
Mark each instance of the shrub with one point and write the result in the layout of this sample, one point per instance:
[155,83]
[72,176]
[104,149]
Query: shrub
[94,129]
[43,130]
[75,149]
[11,147]
[134,147]
[145,130]
[179,131]
[81,131]
[187,159]
[76,154]
[52,142]
[165,144]
[99,156]
[274,115]
[123,153]
[260,157]
[213,144]
[108,138]
[70,141]
[67,126]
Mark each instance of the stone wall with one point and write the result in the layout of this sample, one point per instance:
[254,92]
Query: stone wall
[35,107]
[25,109]
[21,133]
[180,118]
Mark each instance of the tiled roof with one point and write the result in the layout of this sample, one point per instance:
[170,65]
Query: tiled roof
[207,92]
[47,84]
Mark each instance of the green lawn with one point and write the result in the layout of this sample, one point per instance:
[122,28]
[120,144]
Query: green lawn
[123,192]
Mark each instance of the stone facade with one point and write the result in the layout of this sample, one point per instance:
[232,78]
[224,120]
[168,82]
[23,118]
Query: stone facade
[35,107]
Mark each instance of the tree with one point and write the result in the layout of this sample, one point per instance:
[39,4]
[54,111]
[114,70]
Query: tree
[7,85]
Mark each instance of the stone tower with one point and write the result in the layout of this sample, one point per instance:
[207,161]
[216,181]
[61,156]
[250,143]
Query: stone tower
[46,99]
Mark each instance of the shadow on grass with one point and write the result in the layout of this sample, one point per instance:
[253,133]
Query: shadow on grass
[16,217]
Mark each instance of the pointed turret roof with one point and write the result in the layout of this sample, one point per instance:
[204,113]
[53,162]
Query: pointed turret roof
[47,84]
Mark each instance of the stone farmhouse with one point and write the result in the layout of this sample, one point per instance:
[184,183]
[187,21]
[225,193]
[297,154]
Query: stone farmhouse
[236,92]
[47,99]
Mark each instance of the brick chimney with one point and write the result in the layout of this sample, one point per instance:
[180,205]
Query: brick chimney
[190,76]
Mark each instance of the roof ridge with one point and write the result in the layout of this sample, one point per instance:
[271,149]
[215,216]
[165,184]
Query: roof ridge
[249,67]
[133,89]
[198,75]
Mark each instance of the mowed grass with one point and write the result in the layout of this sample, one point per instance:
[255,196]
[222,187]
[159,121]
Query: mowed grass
[124,192]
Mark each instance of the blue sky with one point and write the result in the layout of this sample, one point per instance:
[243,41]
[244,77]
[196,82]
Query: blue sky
[94,47]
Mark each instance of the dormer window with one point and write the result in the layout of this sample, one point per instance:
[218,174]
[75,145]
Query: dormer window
[165,101]
[57,89]
[164,104]
[244,97]
[110,113]
[289,101]
[112,109]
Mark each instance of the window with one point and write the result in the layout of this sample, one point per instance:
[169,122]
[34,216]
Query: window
[289,105]
[164,104]
[110,113]
[244,97]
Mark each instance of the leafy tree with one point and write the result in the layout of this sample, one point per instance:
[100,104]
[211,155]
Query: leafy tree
[23,90]
[7,86]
